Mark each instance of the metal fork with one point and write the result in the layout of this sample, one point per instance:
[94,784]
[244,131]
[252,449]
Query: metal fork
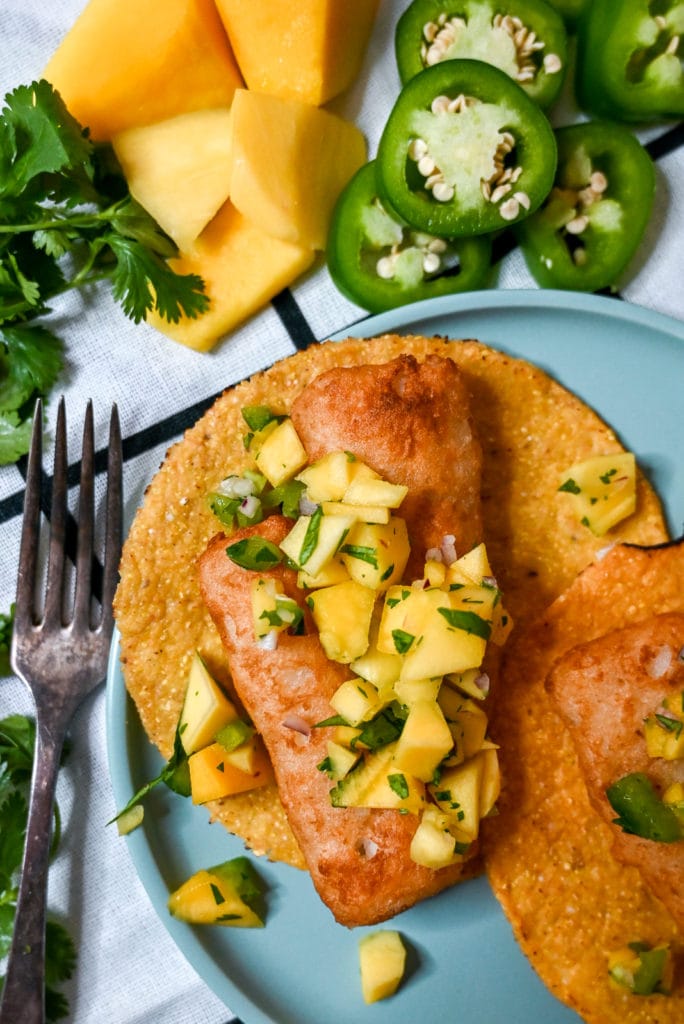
[61,654]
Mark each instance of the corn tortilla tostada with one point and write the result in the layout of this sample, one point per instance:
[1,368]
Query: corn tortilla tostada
[531,429]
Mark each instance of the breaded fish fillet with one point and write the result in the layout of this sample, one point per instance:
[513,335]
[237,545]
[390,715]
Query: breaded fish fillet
[411,423]
[604,690]
[358,858]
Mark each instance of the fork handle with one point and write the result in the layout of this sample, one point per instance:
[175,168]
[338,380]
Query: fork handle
[23,997]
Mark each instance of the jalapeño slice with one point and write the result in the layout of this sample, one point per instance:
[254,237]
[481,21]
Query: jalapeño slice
[524,38]
[464,152]
[378,262]
[587,231]
[629,59]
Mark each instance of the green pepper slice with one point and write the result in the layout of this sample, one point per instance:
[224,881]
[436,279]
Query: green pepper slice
[379,262]
[641,811]
[587,231]
[629,59]
[524,38]
[464,151]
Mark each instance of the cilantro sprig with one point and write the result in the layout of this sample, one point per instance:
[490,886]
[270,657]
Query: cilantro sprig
[17,740]
[67,221]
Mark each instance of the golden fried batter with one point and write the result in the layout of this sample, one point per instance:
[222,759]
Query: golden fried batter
[604,691]
[411,423]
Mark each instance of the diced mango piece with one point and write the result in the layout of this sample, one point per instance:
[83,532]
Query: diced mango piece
[382,958]
[434,572]
[311,547]
[376,666]
[327,478]
[341,760]
[311,51]
[490,786]
[374,491]
[664,737]
[471,682]
[242,269]
[603,489]
[126,63]
[290,161]
[206,708]
[377,783]
[334,571]
[376,554]
[408,691]
[220,895]
[213,776]
[467,722]
[433,844]
[355,700]
[360,513]
[179,169]
[425,740]
[458,795]
[342,614]
[281,455]
[472,567]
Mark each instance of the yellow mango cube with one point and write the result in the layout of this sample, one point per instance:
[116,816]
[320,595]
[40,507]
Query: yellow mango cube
[374,491]
[213,775]
[375,554]
[603,490]
[218,895]
[490,786]
[467,722]
[472,567]
[310,52]
[342,614]
[290,161]
[126,63]
[425,740]
[341,760]
[178,170]
[408,691]
[281,454]
[242,268]
[457,794]
[359,513]
[327,478]
[206,708]
[382,959]
[333,571]
[312,546]
[356,700]
[433,845]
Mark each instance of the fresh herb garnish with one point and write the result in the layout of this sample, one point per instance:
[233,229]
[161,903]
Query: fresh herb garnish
[640,810]
[469,622]
[383,728]
[311,536]
[17,739]
[402,640]
[254,553]
[364,554]
[398,784]
[67,221]
[175,774]
[570,487]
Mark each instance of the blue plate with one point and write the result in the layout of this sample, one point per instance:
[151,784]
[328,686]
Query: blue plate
[464,965]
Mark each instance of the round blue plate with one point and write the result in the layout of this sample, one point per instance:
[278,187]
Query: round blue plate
[302,968]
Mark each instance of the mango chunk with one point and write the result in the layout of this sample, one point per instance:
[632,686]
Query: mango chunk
[206,708]
[433,844]
[382,958]
[603,489]
[126,63]
[342,614]
[425,740]
[213,775]
[225,894]
[242,269]
[179,169]
[290,161]
[311,51]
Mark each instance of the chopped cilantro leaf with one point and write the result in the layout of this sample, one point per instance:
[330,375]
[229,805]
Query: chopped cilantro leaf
[402,640]
[470,622]
[570,487]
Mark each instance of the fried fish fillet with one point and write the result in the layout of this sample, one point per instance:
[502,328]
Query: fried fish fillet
[406,419]
[411,423]
[548,854]
[358,857]
[604,691]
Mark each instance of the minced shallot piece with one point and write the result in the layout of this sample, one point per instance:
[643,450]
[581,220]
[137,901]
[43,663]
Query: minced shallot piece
[660,662]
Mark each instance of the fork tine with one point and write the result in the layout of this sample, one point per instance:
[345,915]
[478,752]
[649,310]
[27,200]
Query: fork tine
[28,550]
[58,517]
[114,521]
[86,516]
